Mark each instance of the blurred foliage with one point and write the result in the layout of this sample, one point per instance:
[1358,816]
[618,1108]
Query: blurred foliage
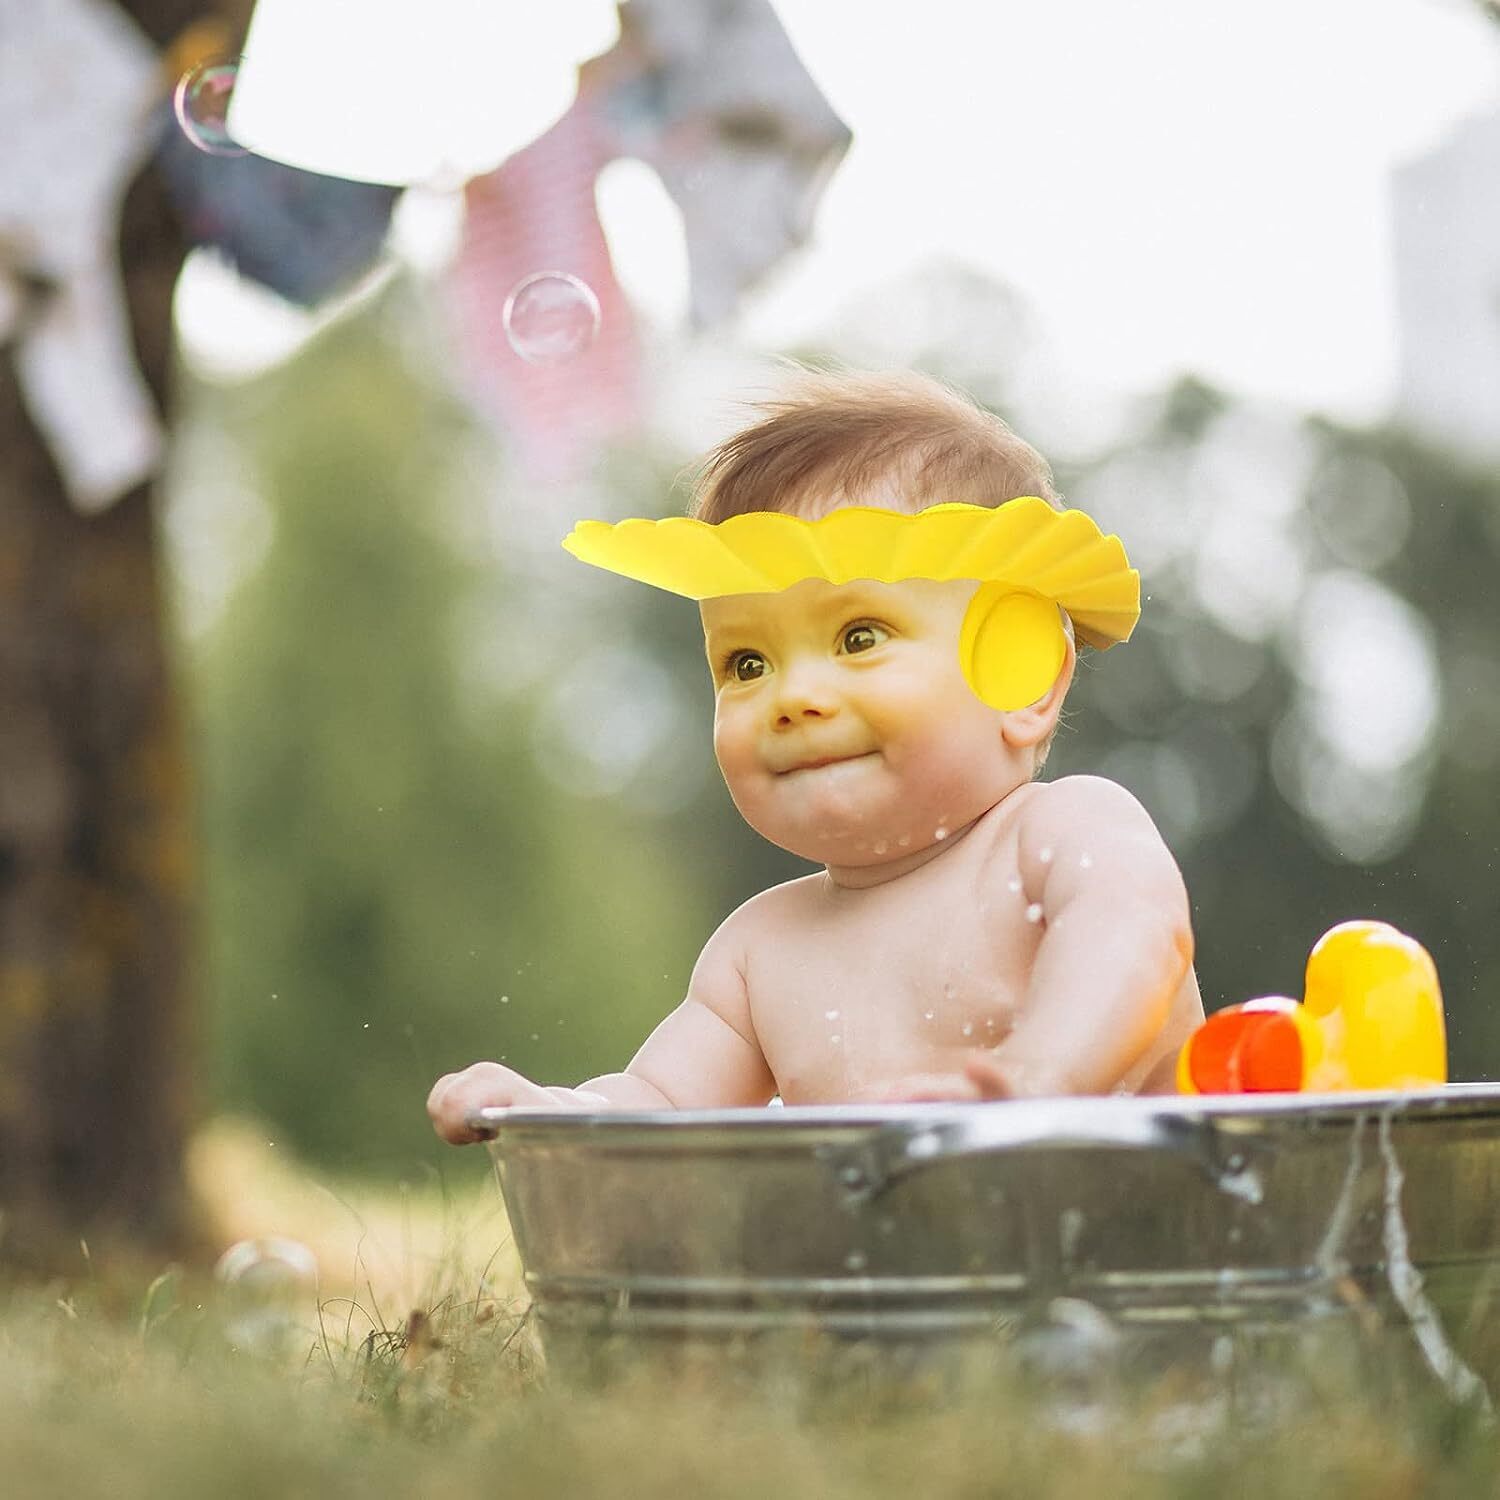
[442,764]
[393,886]
[1285,823]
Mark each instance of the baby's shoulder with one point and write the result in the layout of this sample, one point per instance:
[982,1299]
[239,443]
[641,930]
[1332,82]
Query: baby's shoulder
[776,903]
[1089,823]
[1080,801]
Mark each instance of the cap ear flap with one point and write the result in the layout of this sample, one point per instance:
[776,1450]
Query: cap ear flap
[1011,646]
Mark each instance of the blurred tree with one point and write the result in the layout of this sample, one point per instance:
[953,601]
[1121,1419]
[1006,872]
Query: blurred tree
[97,1036]
[1310,707]
[406,869]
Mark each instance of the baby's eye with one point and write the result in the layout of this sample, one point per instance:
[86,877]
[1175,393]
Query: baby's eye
[744,666]
[863,637]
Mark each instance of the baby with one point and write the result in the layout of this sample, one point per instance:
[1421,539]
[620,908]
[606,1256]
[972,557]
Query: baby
[974,933]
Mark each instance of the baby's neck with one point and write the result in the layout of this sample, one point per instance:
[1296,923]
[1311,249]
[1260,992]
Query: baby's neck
[863,877]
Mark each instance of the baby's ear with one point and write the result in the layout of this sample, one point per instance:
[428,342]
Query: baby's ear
[1029,726]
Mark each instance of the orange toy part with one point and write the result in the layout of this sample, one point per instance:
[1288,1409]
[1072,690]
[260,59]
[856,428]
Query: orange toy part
[1372,1018]
[1244,1049]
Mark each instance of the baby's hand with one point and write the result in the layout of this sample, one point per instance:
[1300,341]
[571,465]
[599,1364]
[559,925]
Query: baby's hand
[986,1076]
[455,1096]
[920,1088]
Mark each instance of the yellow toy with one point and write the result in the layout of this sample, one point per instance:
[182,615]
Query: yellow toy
[1031,560]
[1371,1018]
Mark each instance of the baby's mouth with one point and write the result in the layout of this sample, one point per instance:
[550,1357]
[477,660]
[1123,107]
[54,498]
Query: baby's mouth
[818,763]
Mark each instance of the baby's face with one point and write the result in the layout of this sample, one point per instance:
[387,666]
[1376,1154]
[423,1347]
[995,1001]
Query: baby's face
[843,724]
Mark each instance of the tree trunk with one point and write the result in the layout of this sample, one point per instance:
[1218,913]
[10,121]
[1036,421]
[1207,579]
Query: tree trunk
[98,1046]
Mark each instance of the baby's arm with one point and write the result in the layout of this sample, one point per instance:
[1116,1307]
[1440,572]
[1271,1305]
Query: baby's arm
[1116,946]
[703,1055]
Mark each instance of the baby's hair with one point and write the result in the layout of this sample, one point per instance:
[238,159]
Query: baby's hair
[834,435]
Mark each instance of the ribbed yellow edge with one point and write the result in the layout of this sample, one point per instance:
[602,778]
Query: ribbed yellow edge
[1025,543]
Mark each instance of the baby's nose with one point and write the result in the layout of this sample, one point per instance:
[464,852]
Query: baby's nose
[805,695]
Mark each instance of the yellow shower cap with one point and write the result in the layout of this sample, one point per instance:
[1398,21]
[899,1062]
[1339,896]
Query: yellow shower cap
[1029,557]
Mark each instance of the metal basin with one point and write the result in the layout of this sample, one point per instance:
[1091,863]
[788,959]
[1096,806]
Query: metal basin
[934,1221]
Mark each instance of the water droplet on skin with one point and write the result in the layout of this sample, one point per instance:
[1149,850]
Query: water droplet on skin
[904,840]
[989,1025]
[1085,862]
[1013,884]
[835,1040]
[1045,856]
[830,1015]
[940,833]
[881,847]
[968,1028]
[927,1015]
[1034,912]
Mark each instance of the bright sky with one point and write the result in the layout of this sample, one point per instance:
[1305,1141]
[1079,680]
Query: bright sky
[1172,185]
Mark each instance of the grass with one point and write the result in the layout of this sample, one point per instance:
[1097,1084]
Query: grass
[415,1371]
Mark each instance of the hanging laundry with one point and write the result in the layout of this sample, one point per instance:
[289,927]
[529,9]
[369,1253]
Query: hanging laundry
[300,234]
[536,213]
[77,82]
[711,94]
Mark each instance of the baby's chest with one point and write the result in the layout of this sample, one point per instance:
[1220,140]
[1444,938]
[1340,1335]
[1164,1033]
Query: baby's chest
[883,989]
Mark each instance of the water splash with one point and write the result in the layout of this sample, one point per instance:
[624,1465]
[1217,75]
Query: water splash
[1328,1258]
[1070,1224]
[1241,1181]
[1406,1286]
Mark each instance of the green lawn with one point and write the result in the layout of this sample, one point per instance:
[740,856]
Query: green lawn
[412,1368]
[105,1392]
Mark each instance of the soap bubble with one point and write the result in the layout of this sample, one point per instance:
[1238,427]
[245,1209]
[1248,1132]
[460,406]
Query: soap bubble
[550,316]
[201,104]
[265,1283]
